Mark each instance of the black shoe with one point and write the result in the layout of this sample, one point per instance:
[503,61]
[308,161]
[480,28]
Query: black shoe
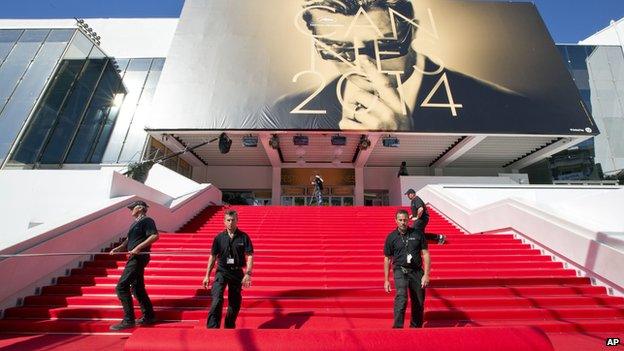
[441,239]
[146,320]
[123,325]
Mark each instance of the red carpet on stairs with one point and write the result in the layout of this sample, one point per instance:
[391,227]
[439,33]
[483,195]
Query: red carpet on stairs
[320,269]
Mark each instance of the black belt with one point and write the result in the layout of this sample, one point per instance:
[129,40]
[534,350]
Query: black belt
[228,268]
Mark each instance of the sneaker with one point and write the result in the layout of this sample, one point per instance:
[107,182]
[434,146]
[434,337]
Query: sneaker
[121,326]
[441,239]
[146,320]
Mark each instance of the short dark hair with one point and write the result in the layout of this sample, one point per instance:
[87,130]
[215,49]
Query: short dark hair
[401,211]
[231,213]
[351,7]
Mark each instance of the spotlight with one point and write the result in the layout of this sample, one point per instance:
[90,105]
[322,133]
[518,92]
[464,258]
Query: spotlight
[300,140]
[364,143]
[274,142]
[250,141]
[339,140]
[390,142]
[224,143]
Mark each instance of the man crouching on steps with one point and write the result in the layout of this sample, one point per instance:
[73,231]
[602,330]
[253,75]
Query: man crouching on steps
[228,249]
[141,235]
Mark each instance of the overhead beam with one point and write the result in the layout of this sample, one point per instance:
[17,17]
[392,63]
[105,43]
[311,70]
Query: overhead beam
[175,144]
[317,165]
[458,150]
[271,153]
[545,152]
[363,155]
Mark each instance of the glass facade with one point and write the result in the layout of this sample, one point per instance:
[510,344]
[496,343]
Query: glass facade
[598,72]
[27,61]
[69,121]
[128,138]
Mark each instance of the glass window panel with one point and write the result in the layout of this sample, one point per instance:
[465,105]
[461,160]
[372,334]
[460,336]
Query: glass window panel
[34,35]
[48,109]
[105,134]
[133,79]
[123,64]
[96,53]
[581,78]
[578,57]
[79,48]
[347,201]
[18,61]
[72,112]
[60,35]
[142,64]
[158,64]
[8,38]
[564,54]
[101,104]
[135,139]
[23,100]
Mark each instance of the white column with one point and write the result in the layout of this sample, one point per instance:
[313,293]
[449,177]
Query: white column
[359,186]
[276,188]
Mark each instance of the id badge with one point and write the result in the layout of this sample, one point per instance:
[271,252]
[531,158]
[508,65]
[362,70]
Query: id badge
[409,258]
[230,261]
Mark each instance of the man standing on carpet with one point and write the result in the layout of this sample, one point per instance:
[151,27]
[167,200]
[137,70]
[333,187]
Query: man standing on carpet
[403,248]
[229,249]
[420,216]
[141,235]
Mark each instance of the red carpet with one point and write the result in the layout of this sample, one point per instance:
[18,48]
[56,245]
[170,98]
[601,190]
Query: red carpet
[438,339]
[322,268]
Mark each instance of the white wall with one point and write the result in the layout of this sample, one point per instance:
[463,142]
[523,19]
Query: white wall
[82,211]
[240,177]
[120,37]
[415,182]
[613,34]
[580,225]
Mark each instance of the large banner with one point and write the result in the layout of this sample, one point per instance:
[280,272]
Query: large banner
[435,66]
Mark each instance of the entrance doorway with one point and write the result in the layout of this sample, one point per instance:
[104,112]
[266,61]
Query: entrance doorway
[298,189]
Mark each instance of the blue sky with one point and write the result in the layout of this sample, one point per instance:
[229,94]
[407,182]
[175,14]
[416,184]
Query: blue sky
[568,20]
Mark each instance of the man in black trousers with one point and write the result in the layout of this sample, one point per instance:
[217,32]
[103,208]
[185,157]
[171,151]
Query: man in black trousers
[420,216]
[229,248]
[403,248]
[141,235]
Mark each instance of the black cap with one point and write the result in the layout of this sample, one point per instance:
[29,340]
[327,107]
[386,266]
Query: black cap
[410,191]
[137,203]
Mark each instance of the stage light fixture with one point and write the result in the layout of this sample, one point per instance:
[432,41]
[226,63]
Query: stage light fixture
[339,140]
[224,143]
[390,142]
[300,140]
[250,141]
[364,143]
[274,142]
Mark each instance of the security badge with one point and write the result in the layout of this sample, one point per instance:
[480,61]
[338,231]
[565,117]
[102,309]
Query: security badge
[230,260]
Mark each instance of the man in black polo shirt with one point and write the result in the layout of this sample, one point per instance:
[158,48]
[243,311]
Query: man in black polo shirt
[420,216]
[141,235]
[403,248]
[228,249]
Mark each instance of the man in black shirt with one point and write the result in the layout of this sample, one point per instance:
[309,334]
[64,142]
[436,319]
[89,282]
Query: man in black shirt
[420,216]
[318,190]
[141,235]
[228,249]
[403,248]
